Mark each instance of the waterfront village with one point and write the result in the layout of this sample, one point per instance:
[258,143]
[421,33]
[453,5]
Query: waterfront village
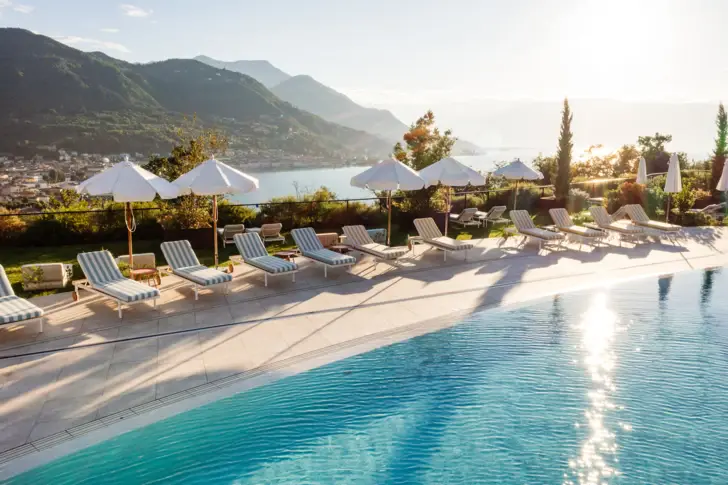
[28,182]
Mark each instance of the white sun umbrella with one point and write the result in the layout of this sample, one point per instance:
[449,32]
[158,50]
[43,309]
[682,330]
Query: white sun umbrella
[214,178]
[517,170]
[673,183]
[642,172]
[127,182]
[451,173]
[723,182]
[388,175]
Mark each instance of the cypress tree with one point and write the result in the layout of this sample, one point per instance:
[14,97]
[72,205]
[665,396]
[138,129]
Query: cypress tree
[721,146]
[563,154]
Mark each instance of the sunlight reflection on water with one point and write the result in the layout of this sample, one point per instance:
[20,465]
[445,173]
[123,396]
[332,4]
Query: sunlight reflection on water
[597,460]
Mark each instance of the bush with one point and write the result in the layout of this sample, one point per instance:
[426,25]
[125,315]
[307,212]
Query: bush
[692,219]
[577,200]
[10,226]
[528,198]
[627,193]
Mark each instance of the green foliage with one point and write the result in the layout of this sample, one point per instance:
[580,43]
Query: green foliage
[234,214]
[627,193]
[685,199]
[563,153]
[577,200]
[595,166]
[547,166]
[721,146]
[653,149]
[189,152]
[627,160]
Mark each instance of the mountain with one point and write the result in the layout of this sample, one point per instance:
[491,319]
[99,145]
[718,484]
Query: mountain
[56,95]
[310,95]
[262,71]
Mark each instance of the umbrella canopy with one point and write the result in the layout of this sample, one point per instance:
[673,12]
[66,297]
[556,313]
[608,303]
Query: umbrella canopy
[723,182]
[642,171]
[213,177]
[452,173]
[388,175]
[673,183]
[128,182]
[517,170]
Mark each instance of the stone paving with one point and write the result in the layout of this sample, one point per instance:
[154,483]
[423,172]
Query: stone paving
[89,365]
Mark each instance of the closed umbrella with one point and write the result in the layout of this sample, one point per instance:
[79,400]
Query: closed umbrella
[450,173]
[673,184]
[388,175]
[723,182]
[642,172]
[214,178]
[127,182]
[517,170]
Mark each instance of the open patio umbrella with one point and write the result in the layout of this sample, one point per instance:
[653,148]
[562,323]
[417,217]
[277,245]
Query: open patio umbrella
[388,175]
[673,184]
[642,172]
[214,178]
[517,170]
[127,182]
[450,173]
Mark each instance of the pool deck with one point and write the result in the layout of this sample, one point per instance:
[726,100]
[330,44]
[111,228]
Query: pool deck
[89,369]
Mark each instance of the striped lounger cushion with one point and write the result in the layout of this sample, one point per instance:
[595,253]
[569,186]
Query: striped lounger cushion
[104,276]
[450,243]
[184,263]
[541,233]
[431,234]
[251,248]
[382,251]
[332,258]
[15,309]
[312,248]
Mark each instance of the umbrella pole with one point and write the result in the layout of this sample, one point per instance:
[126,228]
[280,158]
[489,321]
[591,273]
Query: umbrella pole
[389,216]
[515,196]
[127,213]
[667,214]
[447,209]
[214,225]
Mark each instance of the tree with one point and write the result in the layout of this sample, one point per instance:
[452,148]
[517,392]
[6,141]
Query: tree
[188,153]
[424,145]
[653,149]
[721,146]
[563,154]
[627,159]
[547,166]
[596,165]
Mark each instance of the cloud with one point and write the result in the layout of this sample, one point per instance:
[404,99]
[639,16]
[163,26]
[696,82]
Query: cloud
[23,8]
[134,11]
[91,44]
[110,30]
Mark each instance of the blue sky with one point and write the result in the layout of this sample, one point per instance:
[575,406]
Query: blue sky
[420,50]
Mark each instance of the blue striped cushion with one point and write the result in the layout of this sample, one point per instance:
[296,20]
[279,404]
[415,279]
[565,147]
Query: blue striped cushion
[306,239]
[329,257]
[250,245]
[14,309]
[271,264]
[99,267]
[179,254]
[5,288]
[450,243]
[202,275]
[128,290]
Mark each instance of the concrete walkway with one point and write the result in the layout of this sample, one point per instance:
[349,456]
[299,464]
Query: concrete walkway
[89,368]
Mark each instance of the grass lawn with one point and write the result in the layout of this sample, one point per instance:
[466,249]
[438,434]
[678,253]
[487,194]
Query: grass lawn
[13,258]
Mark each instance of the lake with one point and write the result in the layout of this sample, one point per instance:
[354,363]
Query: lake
[293,182]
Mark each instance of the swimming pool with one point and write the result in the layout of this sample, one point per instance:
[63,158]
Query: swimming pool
[625,385]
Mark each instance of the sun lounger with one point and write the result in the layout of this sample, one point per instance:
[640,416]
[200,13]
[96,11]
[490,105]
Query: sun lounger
[640,217]
[14,309]
[623,228]
[525,226]
[229,231]
[310,246]
[493,216]
[465,218]
[431,235]
[104,277]
[563,222]
[252,250]
[358,238]
[271,233]
[184,263]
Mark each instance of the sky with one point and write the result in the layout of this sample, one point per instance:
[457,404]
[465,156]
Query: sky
[420,50]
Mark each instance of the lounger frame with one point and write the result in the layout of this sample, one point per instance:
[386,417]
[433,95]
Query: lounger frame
[196,286]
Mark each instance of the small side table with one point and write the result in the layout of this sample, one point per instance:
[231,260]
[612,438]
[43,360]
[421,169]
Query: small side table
[414,240]
[150,275]
[340,248]
[287,255]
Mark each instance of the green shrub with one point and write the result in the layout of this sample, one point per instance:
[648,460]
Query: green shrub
[577,200]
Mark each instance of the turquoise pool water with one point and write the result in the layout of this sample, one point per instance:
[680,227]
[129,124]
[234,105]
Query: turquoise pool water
[626,385]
